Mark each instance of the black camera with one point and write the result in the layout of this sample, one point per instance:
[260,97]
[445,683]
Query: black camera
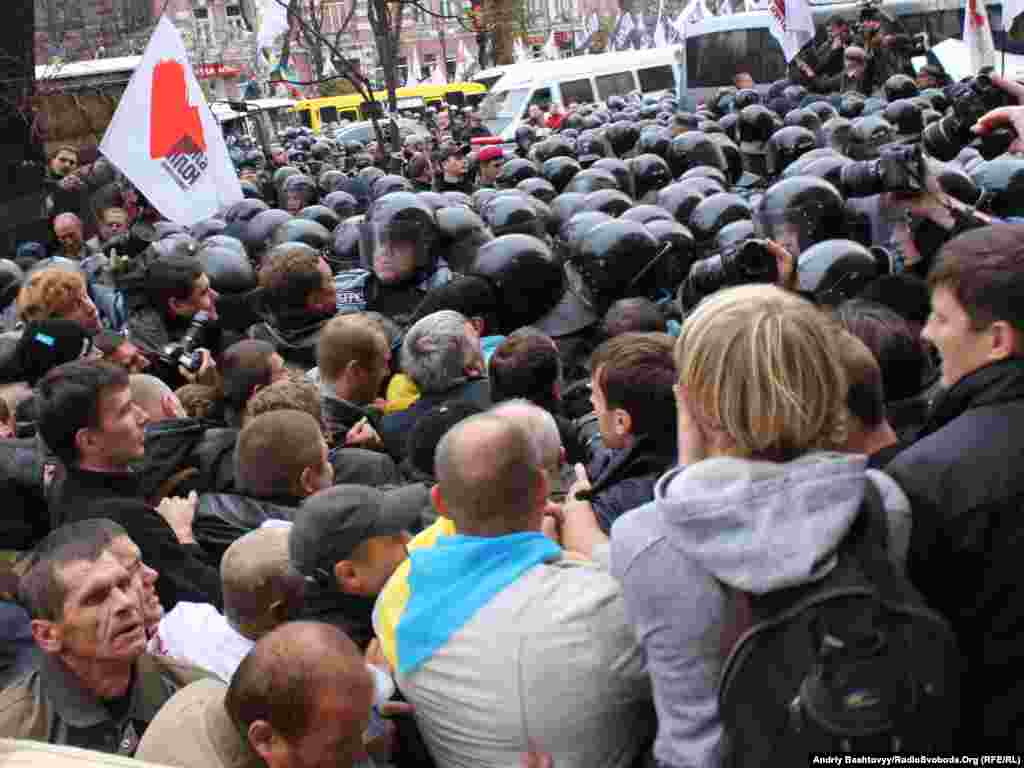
[184,352]
[898,168]
[748,262]
[971,99]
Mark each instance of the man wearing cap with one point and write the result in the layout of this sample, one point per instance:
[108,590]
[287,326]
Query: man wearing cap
[857,74]
[346,542]
[452,177]
[491,160]
[828,58]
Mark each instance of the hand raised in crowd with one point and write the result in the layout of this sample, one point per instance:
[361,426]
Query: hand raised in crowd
[207,373]
[362,435]
[179,513]
[1006,117]
[785,264]
[574,523]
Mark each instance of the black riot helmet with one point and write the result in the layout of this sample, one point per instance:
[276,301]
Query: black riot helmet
[796,167]
[527,277]
[828,168]
[538,188]
[653,141]
[609,201]
[680,199]
[558,171]
[434,200]
[867,135]
[786,145]
[573,230]
[398,238]
[733,157]
[514,171]
[732,234]
[331,181]
[260,228]
[650,174]
[938,98]
[674,263]
[622,172]
[453,198]
[282,174]
[513,214]
[565,206]
[744,98]
[1002,181]
[756,126]
[305,231]
[242,211]
[693,148]
[713,213]
[322,215]
[646,214]
[345,248]
[851,105]
[906,117]
[833,271]
[207,228]
[899,87]
[461,233]
[229,270]
[590,147]
[553,146]
[525,137]
[615,260]
[389,183]
[481,197]
[299,191]
[835,134]
[591,180]
[622,135]
[320,150]
[800,211]
[823,110]
[342,203]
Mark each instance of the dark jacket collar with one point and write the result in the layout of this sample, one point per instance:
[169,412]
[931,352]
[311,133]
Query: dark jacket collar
[81,708]
[93,483]
[340,415]
[998,383]
[643,457]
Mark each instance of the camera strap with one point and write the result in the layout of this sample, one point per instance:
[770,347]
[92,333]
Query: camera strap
[647,268]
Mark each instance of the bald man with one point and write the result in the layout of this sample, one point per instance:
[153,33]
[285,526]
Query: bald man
[261,592]
[480,641]
[67,228]
[154,397]
[300,699]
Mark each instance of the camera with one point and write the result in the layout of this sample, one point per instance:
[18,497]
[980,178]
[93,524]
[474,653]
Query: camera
[898,168]
[184,352]
[131,242]
[748,262]
[971,99]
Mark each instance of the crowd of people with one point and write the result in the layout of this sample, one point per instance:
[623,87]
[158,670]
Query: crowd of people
[658,438]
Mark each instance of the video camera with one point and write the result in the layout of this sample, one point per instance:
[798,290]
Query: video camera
[747,262]
[971,99]
[898,168]
[184,352]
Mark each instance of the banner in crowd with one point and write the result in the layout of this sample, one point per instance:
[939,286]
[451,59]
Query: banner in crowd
[165,139]
[792,25]
[978,35]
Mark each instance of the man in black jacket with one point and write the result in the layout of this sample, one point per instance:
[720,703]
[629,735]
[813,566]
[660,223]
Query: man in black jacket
[89,421]
[964,480]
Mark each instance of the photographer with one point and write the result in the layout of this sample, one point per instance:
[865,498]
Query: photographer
[828,58]
[176,292]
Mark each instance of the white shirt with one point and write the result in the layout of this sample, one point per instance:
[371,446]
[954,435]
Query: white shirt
[199,634]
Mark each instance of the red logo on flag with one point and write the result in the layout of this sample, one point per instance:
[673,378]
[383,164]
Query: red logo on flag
[175,125]
[778,8]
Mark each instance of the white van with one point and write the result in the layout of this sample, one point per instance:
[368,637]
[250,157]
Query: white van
[580,79]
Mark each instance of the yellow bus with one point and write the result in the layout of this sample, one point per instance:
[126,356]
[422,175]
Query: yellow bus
[314,113]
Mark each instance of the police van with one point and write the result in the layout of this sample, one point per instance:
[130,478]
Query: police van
[717,47]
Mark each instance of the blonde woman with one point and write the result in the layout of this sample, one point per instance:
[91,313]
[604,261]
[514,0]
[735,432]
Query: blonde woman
[759,501]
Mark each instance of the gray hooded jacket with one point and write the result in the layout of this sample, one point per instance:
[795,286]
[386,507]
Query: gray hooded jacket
[752,525]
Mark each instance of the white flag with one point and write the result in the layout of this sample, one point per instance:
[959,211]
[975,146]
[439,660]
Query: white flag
[273,22]
[792,25]
[165,139]
[978,36]
[438,75]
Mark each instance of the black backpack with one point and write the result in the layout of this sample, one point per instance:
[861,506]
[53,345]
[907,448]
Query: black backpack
[853,663]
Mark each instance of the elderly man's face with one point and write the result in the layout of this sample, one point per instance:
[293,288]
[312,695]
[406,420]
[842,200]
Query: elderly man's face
[115,221]
[102,618]
[69,233]
[130,557]
[63,163]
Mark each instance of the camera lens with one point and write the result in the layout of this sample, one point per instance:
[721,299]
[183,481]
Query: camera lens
[754,263]
[942,140]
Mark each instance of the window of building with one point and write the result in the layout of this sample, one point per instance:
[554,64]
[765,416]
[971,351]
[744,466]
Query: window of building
[201,14]
[656,78]
[617,84]
[579,91]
